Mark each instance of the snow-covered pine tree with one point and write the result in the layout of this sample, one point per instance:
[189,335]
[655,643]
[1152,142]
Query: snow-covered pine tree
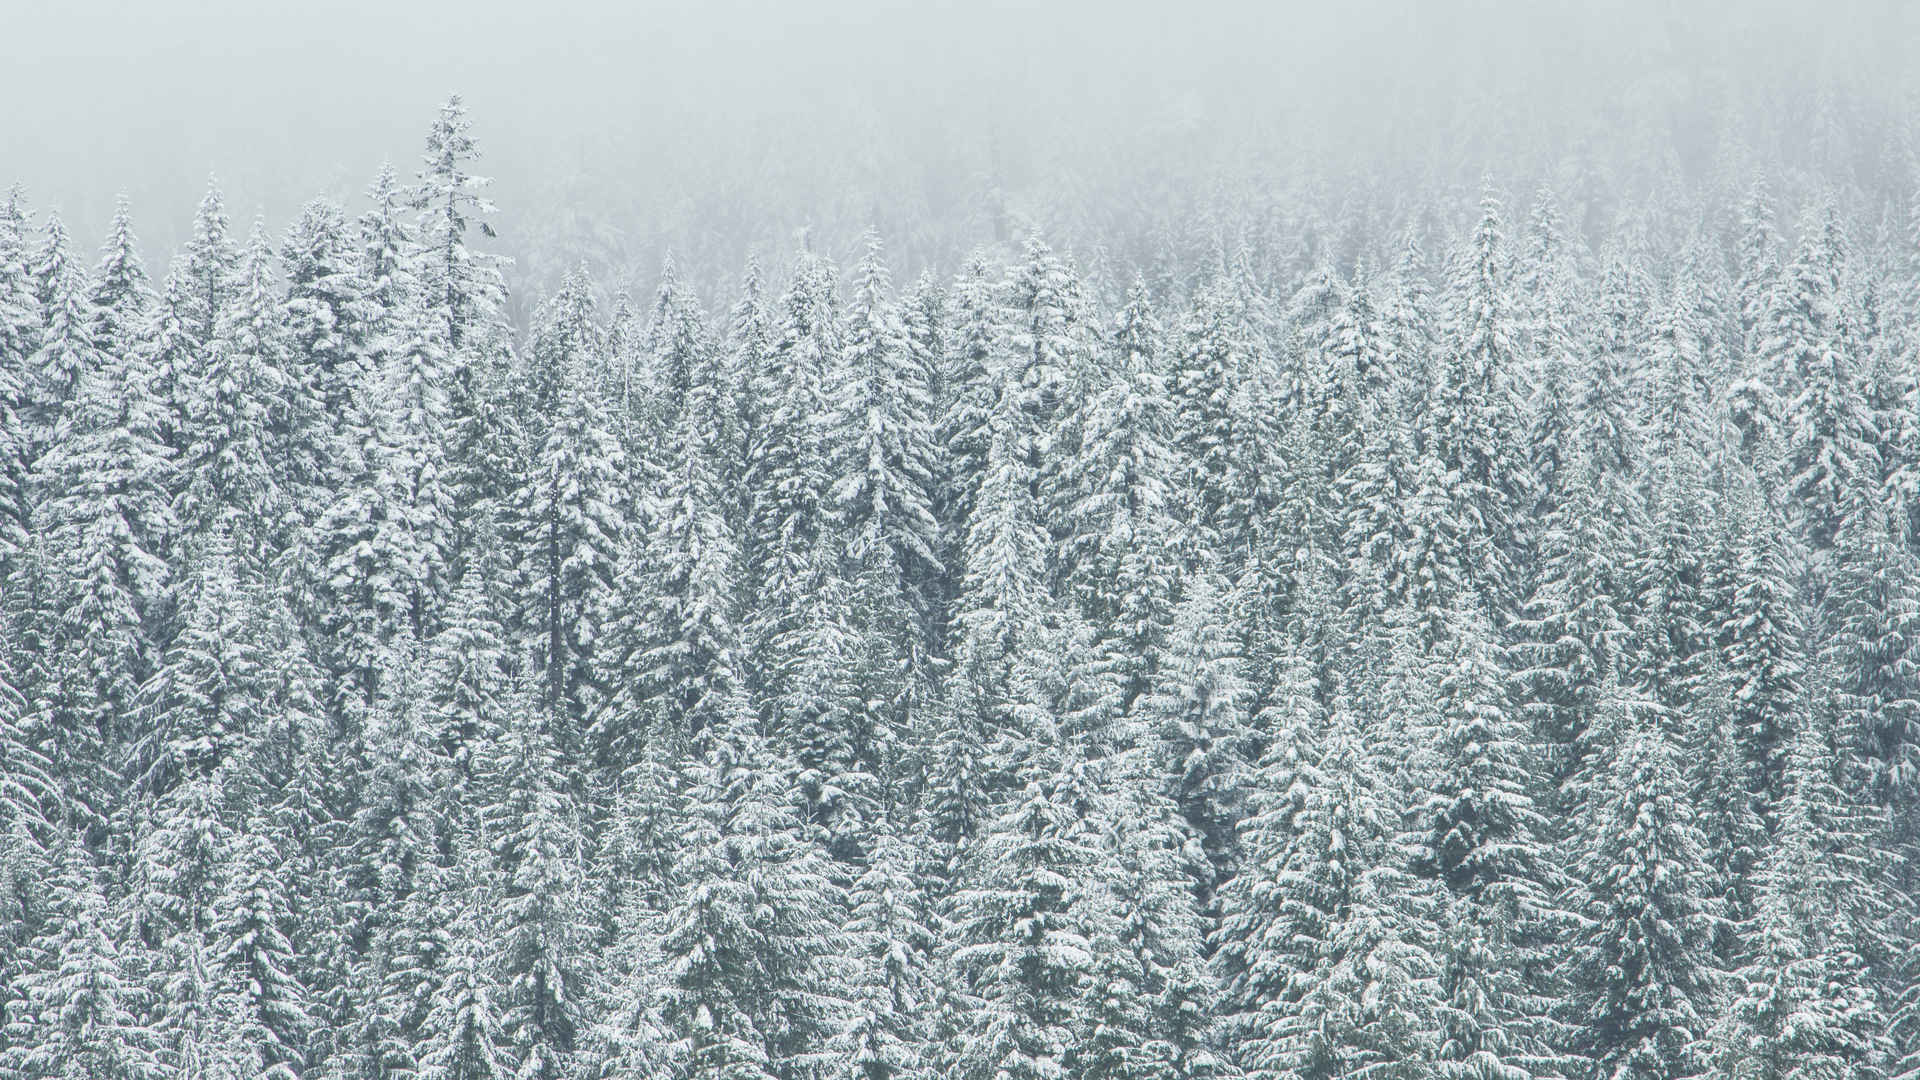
[1484,842]
[27,787]
[464,284]
[748,349]
[82,1005]
[1348,985]
[673,350]
[882,444]
[208,698]
[828,720]
[754,918]
[235,400]
[1118,558]
[330,322]
[65,339]
[968,390]
[260,991]
[788,479]
[565,518]
[1644,980]
[1220,431]
[1197,718]
[1047,344]
[1674,620]
[395,887]
[463,294]
[1572,631]
[210,266]
[1546,279]
[173,359]
[1003,597]
[1869,630]
[1375,532]
[1607,428]
[466,687]
[105,514]
[371,565]
[1829,442]
[20,322]
[1153,1002]
[462,1038]
[1762,636]
[121,297]
[1801,1005]
[891,937]
[1025,918]
[533,828]
[1758,264]
[1473,415]
[687,635]
[1722,786]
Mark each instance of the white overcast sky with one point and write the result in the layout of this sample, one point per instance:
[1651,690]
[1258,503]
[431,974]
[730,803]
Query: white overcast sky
[283,100]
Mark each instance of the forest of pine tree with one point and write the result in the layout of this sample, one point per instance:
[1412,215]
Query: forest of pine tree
[1450,636]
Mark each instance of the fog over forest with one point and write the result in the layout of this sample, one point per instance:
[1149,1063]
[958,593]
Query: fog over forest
[617,131]
[993,541]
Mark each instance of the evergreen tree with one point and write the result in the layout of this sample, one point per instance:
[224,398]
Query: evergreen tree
[1644,977]
[1473,414]
[1003,597]
[1153,1002]
[534,830]
[1483,841]
[1047,345]
[330,324]
[66,347]
[679,351]
[211,267]
[1762,635]
[1802,1007]
[260,989]
[892,937]
[20,323]
[1122,519]
[462,301]
[1024,923]
[1573,631]
[209,696]
[235,400]
[463,1029]
[882,443]
[689,635]
[466,679]
[1830,445]
[83,1006]
[121,297]
[1197,717]
[107,483]
[968,390]
[463,285]
[752,920]
[749,347]
[1872,642]
[402,821]
[788,478]
[1348,985]
[566,516]
[1220,432]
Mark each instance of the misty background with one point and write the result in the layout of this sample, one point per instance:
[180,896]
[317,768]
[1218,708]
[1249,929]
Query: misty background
[616,132]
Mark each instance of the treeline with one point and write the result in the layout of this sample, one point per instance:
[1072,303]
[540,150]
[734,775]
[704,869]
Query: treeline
[1492,656]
